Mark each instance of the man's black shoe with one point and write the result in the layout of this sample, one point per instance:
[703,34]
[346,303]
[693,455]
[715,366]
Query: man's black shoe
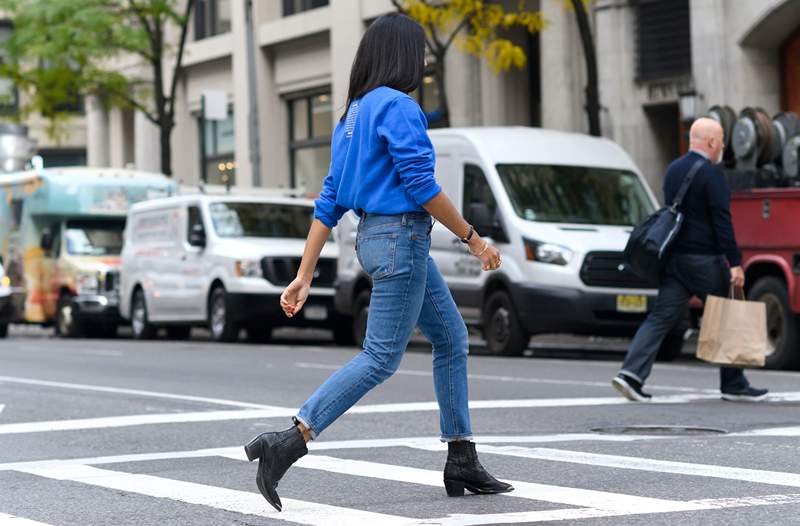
[749,394]
[630,388]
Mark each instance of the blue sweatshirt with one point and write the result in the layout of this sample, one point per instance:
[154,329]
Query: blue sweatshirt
[707,227]
[381,159]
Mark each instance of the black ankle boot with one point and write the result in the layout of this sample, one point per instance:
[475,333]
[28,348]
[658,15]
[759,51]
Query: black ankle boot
[276,452]
[463,470]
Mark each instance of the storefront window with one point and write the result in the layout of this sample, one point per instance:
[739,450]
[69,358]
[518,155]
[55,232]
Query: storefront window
[211,17]
[291,7]
[218,139]
[311,125]
[428,97]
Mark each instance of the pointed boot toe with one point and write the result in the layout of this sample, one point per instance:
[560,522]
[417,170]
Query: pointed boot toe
[276,452]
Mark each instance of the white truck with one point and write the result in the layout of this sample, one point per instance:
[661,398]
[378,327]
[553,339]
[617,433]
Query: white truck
[560,207]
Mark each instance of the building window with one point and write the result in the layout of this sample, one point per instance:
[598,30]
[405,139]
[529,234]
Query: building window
[427,95]
[291,7]
[310,127]
[664,47]
[9,96]
[217,145]
[211,17]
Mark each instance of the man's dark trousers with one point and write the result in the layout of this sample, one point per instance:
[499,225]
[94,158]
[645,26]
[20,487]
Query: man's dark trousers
[685,275]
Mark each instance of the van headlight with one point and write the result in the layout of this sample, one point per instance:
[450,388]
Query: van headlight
[248,268]
[547,252]
[87,283]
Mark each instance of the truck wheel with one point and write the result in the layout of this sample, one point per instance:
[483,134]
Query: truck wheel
[672,346]
[3,330]
[501,328]
[67,326]
[179,332]
[219,322]
[140,325]
[343,333]
[360,313]
[782,324]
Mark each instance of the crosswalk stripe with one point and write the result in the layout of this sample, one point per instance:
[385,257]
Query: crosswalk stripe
[296,511]
[526,490]
[11,520]
[777,478]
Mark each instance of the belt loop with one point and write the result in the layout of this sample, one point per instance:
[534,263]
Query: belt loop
[405,219]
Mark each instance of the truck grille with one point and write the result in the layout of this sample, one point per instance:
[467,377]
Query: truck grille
[602,269]
[282,270]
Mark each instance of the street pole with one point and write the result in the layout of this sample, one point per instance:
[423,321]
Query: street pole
[252,89]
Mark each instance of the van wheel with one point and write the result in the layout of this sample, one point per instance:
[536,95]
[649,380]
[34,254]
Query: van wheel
[66,324]
[179,332]
[360,314]
[222,328]
[782,324]
[343,333]
[140,325]
[501,328]
[3,330]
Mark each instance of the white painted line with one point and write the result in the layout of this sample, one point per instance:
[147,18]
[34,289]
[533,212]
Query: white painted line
[792,431]
[776,478]
[2,406]
[296,511]
[134,392]
[525,490]
[275,412]
[505,378]
[11,520]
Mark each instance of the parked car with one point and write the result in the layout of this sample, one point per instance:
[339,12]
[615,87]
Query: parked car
[222,261]
[5,302]
[560,207]
[60,238]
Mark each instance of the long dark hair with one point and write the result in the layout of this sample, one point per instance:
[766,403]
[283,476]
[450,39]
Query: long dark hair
[391,53]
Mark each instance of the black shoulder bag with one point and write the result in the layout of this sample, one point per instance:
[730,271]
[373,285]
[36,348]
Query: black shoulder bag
[650,242]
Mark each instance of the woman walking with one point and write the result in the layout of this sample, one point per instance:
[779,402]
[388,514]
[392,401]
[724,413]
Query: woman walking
[382,167]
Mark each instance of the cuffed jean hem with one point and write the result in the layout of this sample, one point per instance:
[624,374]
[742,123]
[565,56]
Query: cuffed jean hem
[310,428]
[631,375]
[456,438]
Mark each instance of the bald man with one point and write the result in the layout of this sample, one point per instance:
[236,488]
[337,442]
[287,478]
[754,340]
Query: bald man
[704,260]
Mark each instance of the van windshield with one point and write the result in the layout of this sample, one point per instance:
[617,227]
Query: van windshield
[575,194]
[236,219]
[87,237]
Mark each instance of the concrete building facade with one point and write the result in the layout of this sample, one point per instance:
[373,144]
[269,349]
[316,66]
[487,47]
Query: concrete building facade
[293,89]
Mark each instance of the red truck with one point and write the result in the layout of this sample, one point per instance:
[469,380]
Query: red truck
[767,223]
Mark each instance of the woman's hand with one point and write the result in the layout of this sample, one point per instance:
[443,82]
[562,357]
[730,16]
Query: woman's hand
[489,255]
[294,296]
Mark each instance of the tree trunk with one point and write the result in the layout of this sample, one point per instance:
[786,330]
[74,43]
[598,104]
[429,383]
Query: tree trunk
[164,132]
[592,92]
[444,104]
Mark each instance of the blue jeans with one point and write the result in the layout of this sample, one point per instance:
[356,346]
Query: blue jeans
[685,275]
[407,291]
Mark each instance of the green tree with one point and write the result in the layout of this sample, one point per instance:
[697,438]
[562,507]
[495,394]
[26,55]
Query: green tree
[117,50]
[478,26]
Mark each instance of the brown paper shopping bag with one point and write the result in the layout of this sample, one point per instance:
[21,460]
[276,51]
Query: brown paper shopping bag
[734,332]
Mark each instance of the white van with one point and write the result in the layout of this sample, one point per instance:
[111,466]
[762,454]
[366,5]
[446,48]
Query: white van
[221,261]
[560,207]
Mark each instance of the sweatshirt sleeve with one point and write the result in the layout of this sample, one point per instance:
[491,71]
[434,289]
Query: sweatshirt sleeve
[325,207]
[719,197]
[404,129]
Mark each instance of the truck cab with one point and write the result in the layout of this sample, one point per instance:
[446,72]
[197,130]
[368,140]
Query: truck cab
[60,240]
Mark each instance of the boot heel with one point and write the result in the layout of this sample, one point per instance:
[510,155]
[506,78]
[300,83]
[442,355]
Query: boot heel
[454,488]
[253,449]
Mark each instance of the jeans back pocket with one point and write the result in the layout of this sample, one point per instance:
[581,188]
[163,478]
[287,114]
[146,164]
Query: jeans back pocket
[376,254]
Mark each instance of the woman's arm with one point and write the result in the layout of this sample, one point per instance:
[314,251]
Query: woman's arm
[295,295]
[443,211]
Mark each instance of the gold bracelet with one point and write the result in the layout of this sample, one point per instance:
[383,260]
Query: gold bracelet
[485,248]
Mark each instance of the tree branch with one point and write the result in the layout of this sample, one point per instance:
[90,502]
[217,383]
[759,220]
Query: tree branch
[139,12]
[179,59]
[129,99]
[461,25]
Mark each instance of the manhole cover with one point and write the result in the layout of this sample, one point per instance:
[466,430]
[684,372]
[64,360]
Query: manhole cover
[658,430]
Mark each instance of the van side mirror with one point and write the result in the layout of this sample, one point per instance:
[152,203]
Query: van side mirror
[46,242]
[197,236]
[487,225]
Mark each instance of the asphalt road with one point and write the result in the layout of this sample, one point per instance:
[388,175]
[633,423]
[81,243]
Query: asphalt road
[117,432]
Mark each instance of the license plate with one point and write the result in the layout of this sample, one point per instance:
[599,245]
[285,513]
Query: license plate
[315,312]
[632,303]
